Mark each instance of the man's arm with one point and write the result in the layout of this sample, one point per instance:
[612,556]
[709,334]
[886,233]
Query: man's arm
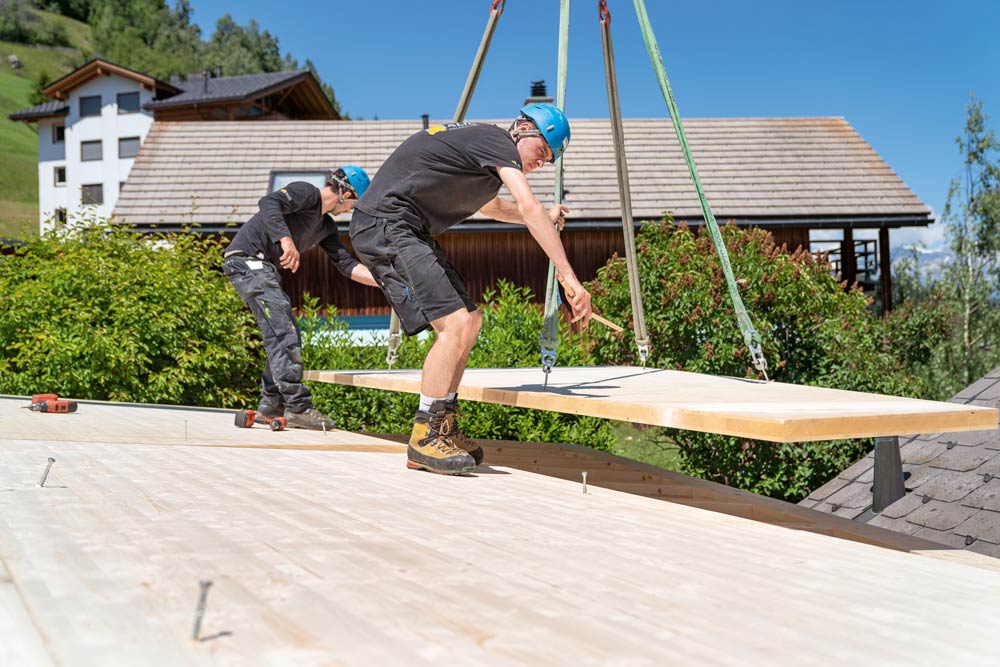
[504,210]
[273,208]
[344,262]
[539,223]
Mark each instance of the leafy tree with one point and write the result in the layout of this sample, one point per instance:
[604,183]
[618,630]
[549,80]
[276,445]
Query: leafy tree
[102,313]
[242,50]
[14,20]
[40,83]
[972,215]
[813,332]
[950,311]
[75,9]
[147,35]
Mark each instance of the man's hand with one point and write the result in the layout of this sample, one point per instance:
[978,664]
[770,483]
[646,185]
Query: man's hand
[579,299]
[289,254]
[558,215]
[361,274]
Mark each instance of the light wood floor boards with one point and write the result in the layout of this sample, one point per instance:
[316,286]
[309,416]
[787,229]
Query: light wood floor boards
[348,558]
[727,406]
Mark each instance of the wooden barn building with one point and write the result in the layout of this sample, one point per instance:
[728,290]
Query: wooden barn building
[788,175]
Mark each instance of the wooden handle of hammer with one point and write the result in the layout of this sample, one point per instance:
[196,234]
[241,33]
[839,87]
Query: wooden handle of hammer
[608,323]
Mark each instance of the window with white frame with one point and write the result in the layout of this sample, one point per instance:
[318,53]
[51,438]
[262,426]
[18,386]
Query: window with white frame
[280,179]
[59,175]
[58,134]
[91,151]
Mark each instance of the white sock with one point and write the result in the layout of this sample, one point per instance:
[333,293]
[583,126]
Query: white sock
[426,401]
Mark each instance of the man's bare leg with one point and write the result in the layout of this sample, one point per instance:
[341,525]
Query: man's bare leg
[445,362]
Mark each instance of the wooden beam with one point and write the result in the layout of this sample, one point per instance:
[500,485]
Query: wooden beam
[728,406]
[885,270]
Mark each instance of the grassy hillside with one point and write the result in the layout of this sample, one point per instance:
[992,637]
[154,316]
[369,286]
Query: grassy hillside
[19,141]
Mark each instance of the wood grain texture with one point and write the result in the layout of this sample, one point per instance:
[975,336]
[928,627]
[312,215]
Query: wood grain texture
[728,406]
[348,558]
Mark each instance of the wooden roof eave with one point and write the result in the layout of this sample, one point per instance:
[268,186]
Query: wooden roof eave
[60,88]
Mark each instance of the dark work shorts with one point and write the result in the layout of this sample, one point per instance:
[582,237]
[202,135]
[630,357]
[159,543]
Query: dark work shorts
[416,277]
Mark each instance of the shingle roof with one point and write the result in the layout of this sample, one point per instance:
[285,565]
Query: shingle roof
[226,88]
[44,110]
[952,484]
[803,171]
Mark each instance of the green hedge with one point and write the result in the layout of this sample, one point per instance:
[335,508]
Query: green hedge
[102,313]
[508,339]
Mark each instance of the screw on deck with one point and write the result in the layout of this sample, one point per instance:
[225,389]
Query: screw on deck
[199,611]
[45,474]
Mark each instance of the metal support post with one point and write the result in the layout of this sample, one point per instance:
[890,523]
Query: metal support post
[888,486]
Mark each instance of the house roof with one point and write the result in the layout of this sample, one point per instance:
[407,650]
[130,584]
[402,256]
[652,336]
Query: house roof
[60,88]
[43,110]
[803,172]
[201,89]
[952,484]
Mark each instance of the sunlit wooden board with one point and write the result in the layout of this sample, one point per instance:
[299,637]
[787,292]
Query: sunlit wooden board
[119,423]
[345,557]
[727,406]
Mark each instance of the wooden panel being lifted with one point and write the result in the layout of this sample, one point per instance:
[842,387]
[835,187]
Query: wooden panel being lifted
[727,406]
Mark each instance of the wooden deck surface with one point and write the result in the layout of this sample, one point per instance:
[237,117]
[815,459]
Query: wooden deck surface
[727,406]
[326,556]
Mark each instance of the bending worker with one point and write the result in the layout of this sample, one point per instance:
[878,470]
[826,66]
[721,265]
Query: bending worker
[291,221]
[431,182]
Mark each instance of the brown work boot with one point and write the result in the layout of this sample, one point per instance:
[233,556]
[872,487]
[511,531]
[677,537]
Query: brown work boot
[310,418]
[458,438]
[430,447]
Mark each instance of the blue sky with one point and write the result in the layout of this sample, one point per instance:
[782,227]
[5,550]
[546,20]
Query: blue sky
[899,72]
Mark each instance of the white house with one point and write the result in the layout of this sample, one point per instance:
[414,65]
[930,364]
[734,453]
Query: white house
[91,132]
[88,138]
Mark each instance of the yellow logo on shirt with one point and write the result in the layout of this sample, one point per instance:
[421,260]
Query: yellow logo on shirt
[434,129]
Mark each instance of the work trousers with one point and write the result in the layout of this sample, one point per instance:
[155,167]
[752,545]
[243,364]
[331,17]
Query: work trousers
[259,285]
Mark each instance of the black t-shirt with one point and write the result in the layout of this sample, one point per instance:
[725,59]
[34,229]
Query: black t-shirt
[440,176]
[295,210]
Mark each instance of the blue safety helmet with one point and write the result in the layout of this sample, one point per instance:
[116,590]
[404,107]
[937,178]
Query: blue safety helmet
[351,177]
[552,124]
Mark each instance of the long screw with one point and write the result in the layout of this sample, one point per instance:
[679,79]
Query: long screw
[45,474]
[584,473]
[199,612]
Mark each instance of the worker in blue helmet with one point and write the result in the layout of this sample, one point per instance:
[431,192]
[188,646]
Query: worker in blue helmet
[434,180]
[290,221]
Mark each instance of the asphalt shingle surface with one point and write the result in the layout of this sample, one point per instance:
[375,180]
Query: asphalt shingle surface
[953,484]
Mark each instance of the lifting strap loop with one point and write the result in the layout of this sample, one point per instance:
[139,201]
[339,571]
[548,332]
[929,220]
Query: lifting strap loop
[549,339]
[750,336]
[497,7]
[628,227]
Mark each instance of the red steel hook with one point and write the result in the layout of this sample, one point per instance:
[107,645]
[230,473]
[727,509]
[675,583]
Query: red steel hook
[603,12]
[501,3]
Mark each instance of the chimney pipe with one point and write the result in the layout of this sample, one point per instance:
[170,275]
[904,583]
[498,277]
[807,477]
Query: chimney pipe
[426,119]
[539,94]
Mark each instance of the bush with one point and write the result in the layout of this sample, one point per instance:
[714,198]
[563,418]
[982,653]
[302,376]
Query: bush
[102,313]
[508,339]
[813,333]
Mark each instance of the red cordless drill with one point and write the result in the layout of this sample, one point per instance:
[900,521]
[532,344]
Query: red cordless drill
[50,403]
